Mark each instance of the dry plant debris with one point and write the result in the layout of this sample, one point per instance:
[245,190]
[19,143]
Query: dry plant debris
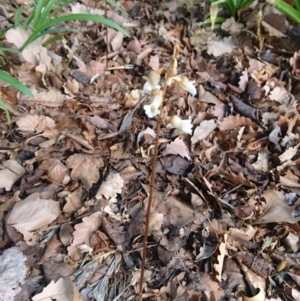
[75,162]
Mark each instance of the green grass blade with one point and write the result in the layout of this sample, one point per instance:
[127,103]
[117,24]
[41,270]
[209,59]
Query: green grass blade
[28,20]
[243,3]
[219,20]
[297,4]
[46,11]
[37,12]
[3,107]
[52,40]
[55,30]
[38,35]
[74,17]
[118,7]
[58,8]
[230,7]
[15,83]
[4,49]
[18,16]
[288,10]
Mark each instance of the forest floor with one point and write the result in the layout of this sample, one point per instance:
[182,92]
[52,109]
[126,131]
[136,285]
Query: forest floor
[76,159]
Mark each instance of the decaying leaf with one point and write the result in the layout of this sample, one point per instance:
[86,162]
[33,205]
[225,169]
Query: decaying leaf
[55,170]
[244,233]
[276,209]
[83,233]
[85,168]
[223,252]
[35,123]
[33,213]
[177,147]
[218,48]
[111,186]
[34,53]
[232,122]
[203,130]
[262,162]
[10,172]
[61,290]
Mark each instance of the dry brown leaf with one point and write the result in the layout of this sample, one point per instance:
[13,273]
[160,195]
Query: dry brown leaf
[74,201]
[98,122]
[10,172]
[232,26]
[34,53]
[244,233]
[208,97]
[177,147]
[289,153]
[255,65]
[85,168]
[83,233]
[218,48]
[33,213]
[117,41]
[273,32]
[288,182]
[62,290]
[223,252]
[258,283]
[134,46]
[35,123]
[262,162]
[276,209]
[244,78]
[203,130]
[155,222]
[112,209]
[51,98]
[154,62]
[278,93]
[233,122]
[111,186]
[55,169]
[147,131]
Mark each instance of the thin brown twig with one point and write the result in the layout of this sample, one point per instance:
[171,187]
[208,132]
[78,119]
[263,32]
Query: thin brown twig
[106,35]
[151,192]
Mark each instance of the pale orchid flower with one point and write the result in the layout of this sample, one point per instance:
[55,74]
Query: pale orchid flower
[153,108]
[152,82]
[184,125]
[187,85]
[184,84]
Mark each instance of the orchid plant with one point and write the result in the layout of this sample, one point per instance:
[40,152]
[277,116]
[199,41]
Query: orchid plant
[157,93]
[154,109]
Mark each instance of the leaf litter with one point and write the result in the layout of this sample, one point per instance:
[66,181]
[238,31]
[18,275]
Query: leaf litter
[76,160]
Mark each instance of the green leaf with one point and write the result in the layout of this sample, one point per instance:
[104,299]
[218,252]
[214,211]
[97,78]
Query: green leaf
[74,17]
[15,83]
